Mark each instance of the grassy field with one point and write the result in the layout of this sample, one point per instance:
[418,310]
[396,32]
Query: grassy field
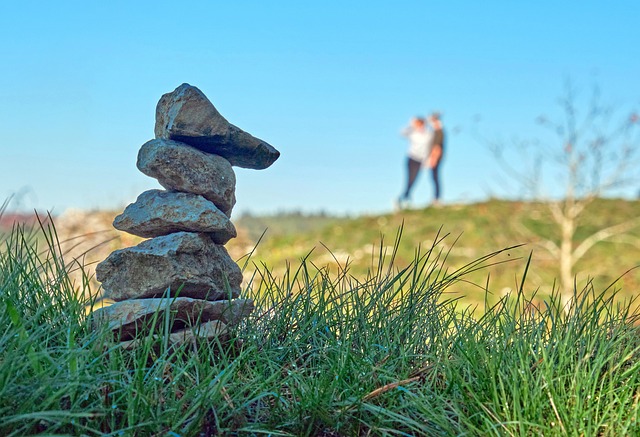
[464,233]
[331,350]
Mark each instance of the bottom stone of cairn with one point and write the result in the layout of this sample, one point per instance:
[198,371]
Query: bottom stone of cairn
[190,318]
[207,331]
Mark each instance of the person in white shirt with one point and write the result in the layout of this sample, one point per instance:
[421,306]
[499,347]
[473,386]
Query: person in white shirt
[420,138]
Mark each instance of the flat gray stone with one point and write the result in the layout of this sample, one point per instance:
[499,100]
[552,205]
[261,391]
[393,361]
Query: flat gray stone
[186,263]
[180,167]
[157,212]
[205,331]
[208,331]
[133,318]
[186,115]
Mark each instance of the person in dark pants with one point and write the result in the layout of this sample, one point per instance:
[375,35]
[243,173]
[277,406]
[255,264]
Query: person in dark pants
[419,140]
[436,151]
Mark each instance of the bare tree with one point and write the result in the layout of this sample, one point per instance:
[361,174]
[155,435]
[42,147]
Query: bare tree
[589,153]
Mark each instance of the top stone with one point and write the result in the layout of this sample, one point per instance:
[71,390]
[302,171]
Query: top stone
[186,115]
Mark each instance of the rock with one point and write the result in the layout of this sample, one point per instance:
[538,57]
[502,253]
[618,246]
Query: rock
[204,331]
[180,167]
[214,329]
[189,264]
[156,213]
[133,318]
[186,115]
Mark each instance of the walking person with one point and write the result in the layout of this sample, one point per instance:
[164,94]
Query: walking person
[436,151]
[420,139]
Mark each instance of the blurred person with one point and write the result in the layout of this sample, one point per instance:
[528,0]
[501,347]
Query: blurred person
[435,154]
[420,139]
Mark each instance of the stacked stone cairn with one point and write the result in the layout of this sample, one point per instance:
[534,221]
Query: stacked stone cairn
[183,267]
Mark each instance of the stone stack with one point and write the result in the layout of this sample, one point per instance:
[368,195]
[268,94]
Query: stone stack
[183,267]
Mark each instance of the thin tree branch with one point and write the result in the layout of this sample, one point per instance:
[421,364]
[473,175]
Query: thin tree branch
[556,212]
[631,240]
[545,243]
[602,235]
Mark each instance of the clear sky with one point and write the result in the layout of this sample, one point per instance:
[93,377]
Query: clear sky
[329,84]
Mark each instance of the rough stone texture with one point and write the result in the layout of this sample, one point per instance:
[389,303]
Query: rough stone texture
[187,115]
[156,213]
[132,318]
[208,331]
[180,167]
[214,329]
[187,263]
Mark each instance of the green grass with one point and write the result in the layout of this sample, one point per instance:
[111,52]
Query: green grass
[326,353]
[479,228]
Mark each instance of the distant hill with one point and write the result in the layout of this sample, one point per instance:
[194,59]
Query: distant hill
[465,233]
[8,219]
[468,232]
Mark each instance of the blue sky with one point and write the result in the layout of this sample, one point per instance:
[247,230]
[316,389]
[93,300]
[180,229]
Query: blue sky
[329,84]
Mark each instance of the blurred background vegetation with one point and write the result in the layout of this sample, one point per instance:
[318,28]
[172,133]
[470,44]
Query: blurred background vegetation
[464,232]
